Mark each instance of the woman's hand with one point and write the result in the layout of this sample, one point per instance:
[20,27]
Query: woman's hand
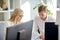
[42,36]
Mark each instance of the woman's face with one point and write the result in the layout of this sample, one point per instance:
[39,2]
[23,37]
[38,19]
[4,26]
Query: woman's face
[43,14]
[19,17]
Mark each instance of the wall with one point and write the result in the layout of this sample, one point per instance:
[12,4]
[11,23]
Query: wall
[1,16]
[58,22]
[32,3]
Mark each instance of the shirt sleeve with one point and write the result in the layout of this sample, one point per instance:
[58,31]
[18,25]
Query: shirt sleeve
[35,33]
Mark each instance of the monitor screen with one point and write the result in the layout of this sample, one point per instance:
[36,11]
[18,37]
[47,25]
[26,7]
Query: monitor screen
[51,31]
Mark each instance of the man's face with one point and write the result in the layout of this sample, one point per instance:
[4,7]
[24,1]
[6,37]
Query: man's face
[43,14]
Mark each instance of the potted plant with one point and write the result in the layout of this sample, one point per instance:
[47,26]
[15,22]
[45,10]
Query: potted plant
[5,5]
[1,3]
[43,3]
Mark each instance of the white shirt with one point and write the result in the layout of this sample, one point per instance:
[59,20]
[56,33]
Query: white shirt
[39,24]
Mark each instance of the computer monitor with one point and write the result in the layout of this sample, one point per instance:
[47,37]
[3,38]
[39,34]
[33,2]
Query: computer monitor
[58,2]
[12,31]
[58,18]
[58,21]
[2,30]
[51,31]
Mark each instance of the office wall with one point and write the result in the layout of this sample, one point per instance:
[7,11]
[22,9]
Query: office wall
[1,16]
[32,3]
[58,22]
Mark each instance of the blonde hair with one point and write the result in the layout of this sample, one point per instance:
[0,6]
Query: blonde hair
[15,13]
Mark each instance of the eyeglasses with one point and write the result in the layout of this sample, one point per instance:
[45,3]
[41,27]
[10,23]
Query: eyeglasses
[21,16]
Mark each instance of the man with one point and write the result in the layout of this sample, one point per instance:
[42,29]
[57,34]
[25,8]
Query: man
[39,23]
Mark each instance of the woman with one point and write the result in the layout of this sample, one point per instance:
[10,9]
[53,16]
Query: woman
[15,17]
[39,23]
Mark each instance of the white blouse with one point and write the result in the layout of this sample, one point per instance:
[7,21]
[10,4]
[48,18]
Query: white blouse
[39,24]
